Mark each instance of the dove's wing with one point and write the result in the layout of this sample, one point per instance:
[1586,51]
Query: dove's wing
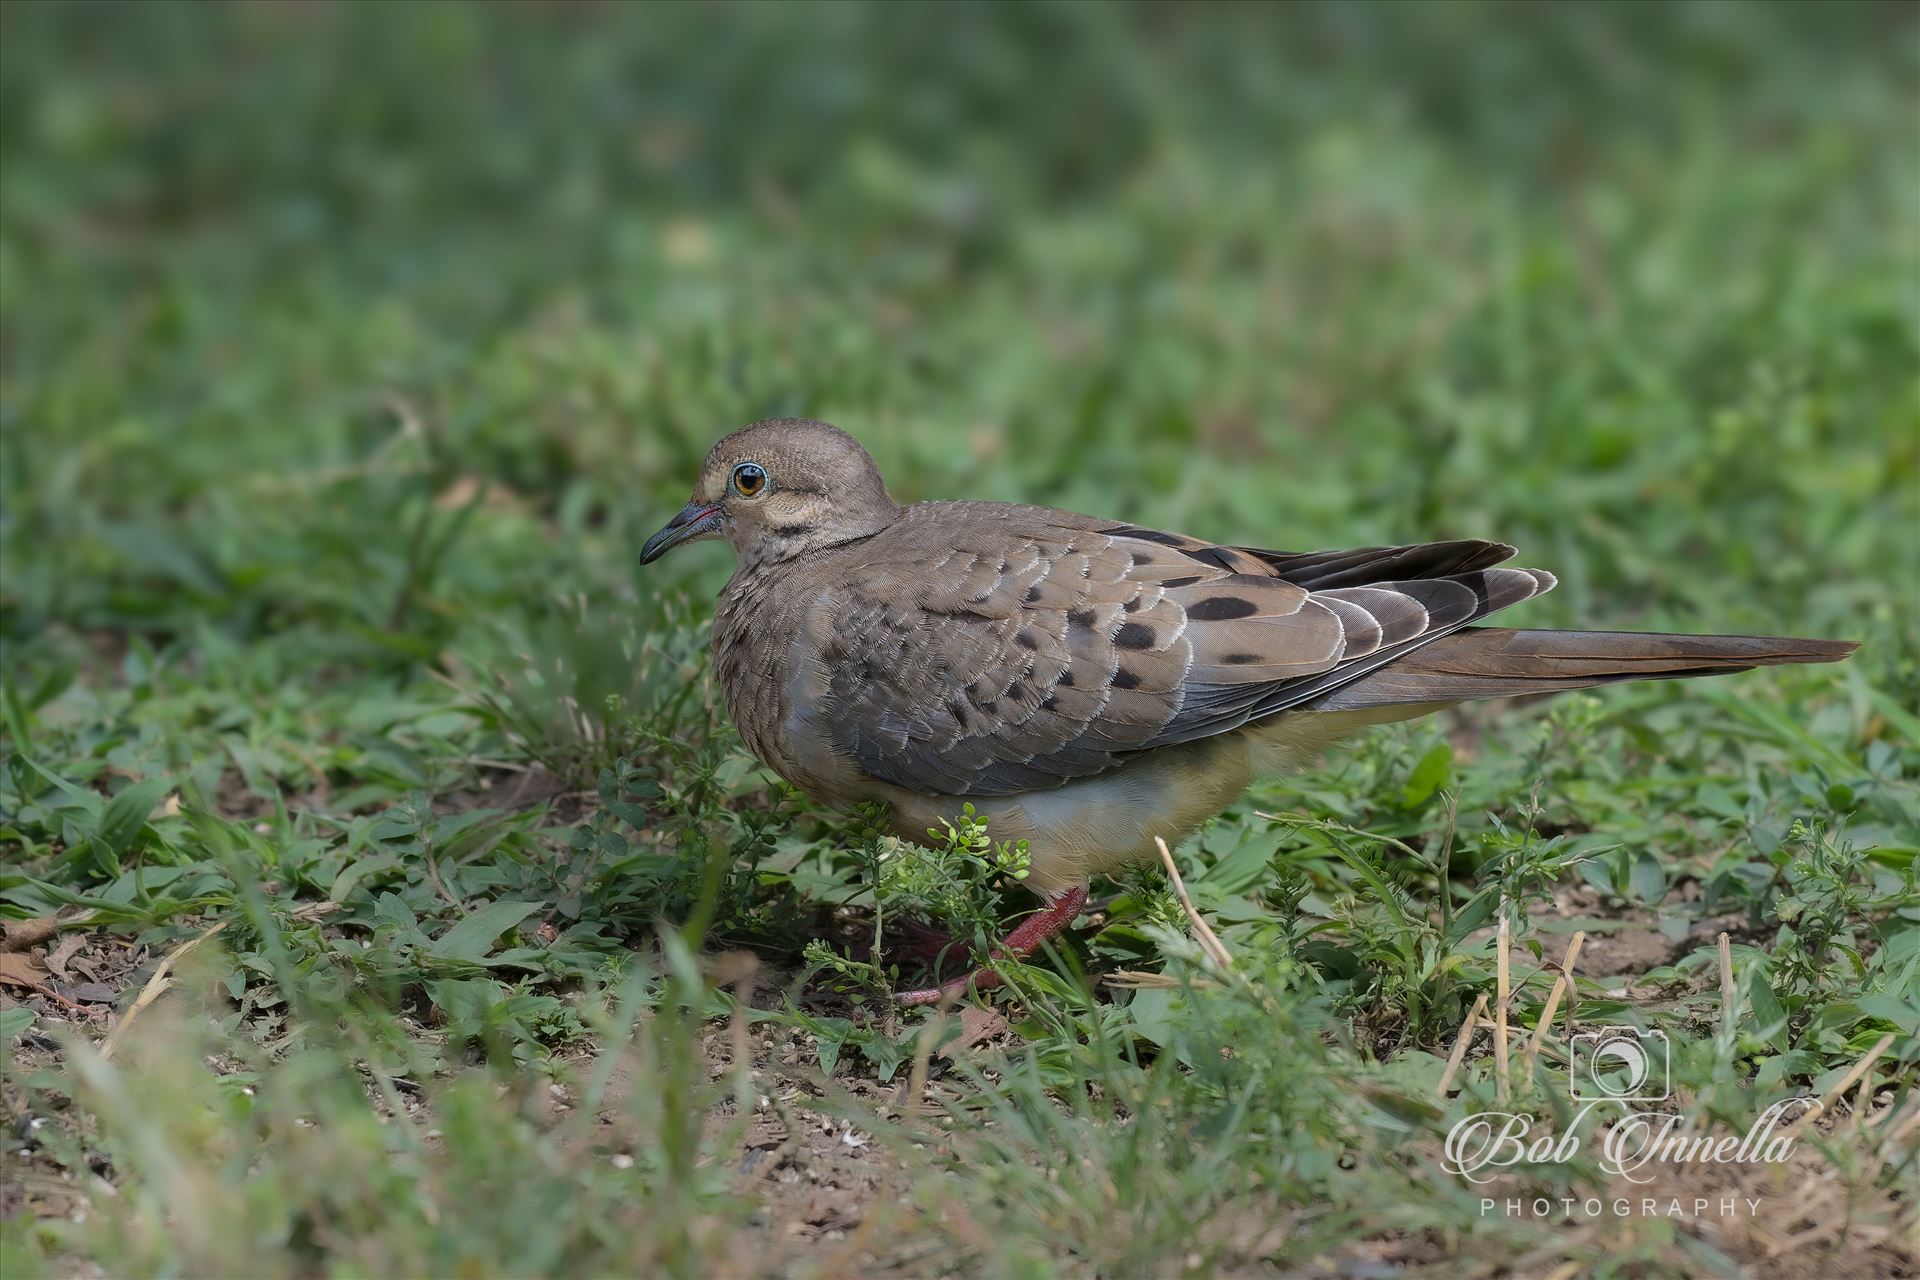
[995,650]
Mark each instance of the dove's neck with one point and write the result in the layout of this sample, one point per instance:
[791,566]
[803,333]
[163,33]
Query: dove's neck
[808,530]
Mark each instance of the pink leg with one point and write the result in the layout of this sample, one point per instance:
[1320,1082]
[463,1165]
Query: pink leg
[1030,933]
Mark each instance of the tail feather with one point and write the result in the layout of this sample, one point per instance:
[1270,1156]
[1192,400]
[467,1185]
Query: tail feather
[1502,662]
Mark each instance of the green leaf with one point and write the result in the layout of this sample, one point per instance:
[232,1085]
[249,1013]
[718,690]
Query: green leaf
[15,710]
[351,875]
[1156,1012]
[1478,911]
[1715,799]
[1773,1070]
[1903,1014]
[391,909]
[466,1001]
[14,1021]
[830,1035]
[80,795]
[1648,878]
[1599,872]
[1243,868]
[1388,895]
[1428,776]
[126,813]
[888,1055]
[52,685]
[1769,1016]
[474,936]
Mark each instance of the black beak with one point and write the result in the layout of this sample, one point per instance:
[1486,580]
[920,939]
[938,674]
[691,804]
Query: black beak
[694,521]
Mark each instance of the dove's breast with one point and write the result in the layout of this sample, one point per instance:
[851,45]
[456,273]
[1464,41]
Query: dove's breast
[773,669]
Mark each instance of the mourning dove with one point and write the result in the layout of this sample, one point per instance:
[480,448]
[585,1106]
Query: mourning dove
[1089,685]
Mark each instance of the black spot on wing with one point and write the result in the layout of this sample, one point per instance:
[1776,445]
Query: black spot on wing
[1218,557]
[1222,609]
[1134,635]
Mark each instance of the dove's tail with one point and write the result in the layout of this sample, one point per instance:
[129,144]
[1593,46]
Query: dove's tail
[1501,662]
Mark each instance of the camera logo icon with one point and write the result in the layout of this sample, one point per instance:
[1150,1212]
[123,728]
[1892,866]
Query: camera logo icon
[1620,1064]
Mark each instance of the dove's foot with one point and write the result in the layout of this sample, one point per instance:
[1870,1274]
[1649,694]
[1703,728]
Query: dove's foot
[1029,934]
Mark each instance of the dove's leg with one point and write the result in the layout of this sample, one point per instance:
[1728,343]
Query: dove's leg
[1030,933]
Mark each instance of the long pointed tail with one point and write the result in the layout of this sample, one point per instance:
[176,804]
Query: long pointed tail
[1501,662]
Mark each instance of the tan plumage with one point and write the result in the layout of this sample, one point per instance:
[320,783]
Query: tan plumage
[1086,684]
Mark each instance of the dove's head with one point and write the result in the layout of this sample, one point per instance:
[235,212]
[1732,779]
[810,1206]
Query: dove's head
[780,488]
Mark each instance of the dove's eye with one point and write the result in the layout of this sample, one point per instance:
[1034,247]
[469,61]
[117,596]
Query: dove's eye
[749,479]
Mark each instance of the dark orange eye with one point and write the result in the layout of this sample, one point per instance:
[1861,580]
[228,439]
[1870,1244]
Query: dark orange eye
[749,479]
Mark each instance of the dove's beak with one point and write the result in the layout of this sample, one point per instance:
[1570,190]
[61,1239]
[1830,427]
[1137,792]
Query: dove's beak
[694,521]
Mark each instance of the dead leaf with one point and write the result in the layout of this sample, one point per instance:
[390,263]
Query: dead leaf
[58,957]
[18,935]
[459,493]
[977,1023]
[85,965]
[20,970]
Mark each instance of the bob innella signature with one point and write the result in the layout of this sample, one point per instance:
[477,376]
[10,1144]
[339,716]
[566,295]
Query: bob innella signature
[1494,1140]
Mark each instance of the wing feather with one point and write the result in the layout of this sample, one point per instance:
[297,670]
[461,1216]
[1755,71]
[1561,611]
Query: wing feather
[1040,650]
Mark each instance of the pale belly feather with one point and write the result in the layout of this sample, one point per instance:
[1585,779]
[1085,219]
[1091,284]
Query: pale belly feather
[1098,825]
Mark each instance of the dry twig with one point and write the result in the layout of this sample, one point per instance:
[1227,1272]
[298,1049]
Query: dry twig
[1203,932]
[156,987]
[1860,1068]
[18,935]
[1729,995]
[1503,937]
[1460,1044]
[1141,980]
[1562,983]
[928,1040]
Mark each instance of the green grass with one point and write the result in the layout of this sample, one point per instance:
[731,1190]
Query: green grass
[348,353]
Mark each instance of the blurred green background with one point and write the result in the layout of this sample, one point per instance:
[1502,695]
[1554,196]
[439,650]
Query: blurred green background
[1629,285]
